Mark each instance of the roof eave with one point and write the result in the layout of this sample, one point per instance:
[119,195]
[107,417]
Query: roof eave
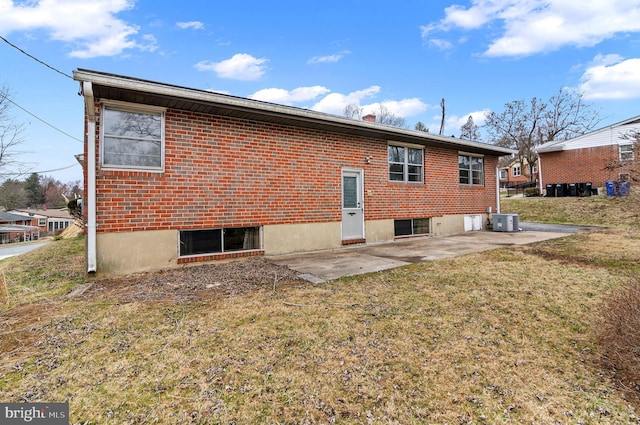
[266,111]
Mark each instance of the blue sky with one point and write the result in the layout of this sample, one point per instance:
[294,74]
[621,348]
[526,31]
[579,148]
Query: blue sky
[323,55]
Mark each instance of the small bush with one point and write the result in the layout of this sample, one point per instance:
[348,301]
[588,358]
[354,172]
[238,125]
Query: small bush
[532,191]
[619,334]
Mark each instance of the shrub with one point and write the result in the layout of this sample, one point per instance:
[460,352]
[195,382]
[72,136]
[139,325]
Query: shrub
[532,191]
[619,334]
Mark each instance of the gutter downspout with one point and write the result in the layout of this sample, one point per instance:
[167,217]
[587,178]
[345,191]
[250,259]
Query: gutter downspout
[90,164]
[540,173]
[497,190]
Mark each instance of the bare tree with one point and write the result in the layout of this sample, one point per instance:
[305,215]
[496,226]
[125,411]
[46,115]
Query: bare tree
[629,165]
[567,116]
[421,127]
[523,126]
[383,115]
[469,131]
[353,111]
[10,137]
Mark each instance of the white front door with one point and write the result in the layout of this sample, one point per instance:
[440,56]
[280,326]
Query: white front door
[352,205]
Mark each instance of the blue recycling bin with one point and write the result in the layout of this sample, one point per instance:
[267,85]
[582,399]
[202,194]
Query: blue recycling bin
[624,188]
[612,187]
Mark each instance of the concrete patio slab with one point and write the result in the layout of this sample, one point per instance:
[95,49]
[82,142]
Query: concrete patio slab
[323,266]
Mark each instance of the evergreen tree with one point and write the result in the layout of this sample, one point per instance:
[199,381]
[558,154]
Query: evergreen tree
[35,194]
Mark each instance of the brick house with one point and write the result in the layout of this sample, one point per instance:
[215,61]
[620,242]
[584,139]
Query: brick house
[587,158]
[513,173]
[49,221]
[175,175]
[17,228]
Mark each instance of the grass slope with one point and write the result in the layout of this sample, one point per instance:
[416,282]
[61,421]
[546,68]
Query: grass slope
[505,336]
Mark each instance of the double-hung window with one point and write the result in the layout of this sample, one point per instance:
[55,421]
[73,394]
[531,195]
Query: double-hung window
[516,171]
[626,152]
[471,169]
[132,138]
[406,163]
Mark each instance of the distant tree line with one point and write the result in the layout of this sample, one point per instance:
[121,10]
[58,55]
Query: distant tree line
[37,191]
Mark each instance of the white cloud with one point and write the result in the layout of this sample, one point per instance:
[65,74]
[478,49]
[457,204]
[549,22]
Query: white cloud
[329,59]
[534,26]
[612,77]
[457,122]
[289,97]
[92,27]
[402,108]
[241,66]
[334,103]
[440,43]
[195,25]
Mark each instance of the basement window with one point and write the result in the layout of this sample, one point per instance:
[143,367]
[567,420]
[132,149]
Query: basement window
[212,241]
[411,227]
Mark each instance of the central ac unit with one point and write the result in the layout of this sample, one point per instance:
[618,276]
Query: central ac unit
[506,223]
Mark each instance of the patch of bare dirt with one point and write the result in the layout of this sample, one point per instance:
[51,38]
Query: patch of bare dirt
[194,282]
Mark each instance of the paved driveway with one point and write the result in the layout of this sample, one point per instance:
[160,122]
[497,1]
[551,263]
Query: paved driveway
[11,250]
[322,266]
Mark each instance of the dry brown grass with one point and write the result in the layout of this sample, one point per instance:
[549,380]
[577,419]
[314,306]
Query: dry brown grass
[619,335]
[505,336]
[618,212]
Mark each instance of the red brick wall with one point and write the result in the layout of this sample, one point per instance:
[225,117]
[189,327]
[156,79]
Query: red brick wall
[580,165]
[221,171]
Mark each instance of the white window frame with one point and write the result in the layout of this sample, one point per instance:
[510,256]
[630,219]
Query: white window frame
[626,155]
[516,171]
[471,155]
[138,109]
[405,164]
[503,174]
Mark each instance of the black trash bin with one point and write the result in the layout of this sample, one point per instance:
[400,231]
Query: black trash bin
[588,189]
[551,190]
[581,189]
[561,190]
[573,190]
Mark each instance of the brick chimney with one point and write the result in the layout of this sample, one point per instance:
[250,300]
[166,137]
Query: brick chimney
[369,118]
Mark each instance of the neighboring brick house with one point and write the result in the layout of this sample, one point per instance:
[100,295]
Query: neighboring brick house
[513,173]
[587,158]
[50,221]
[175,175]
[17,228]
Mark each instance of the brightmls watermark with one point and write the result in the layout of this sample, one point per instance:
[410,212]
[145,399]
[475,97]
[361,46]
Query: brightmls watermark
[34,413]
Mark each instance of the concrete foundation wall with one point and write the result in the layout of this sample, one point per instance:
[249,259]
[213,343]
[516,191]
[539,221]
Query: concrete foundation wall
[452,224]
[132,252]
[379,230]
[288,238]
